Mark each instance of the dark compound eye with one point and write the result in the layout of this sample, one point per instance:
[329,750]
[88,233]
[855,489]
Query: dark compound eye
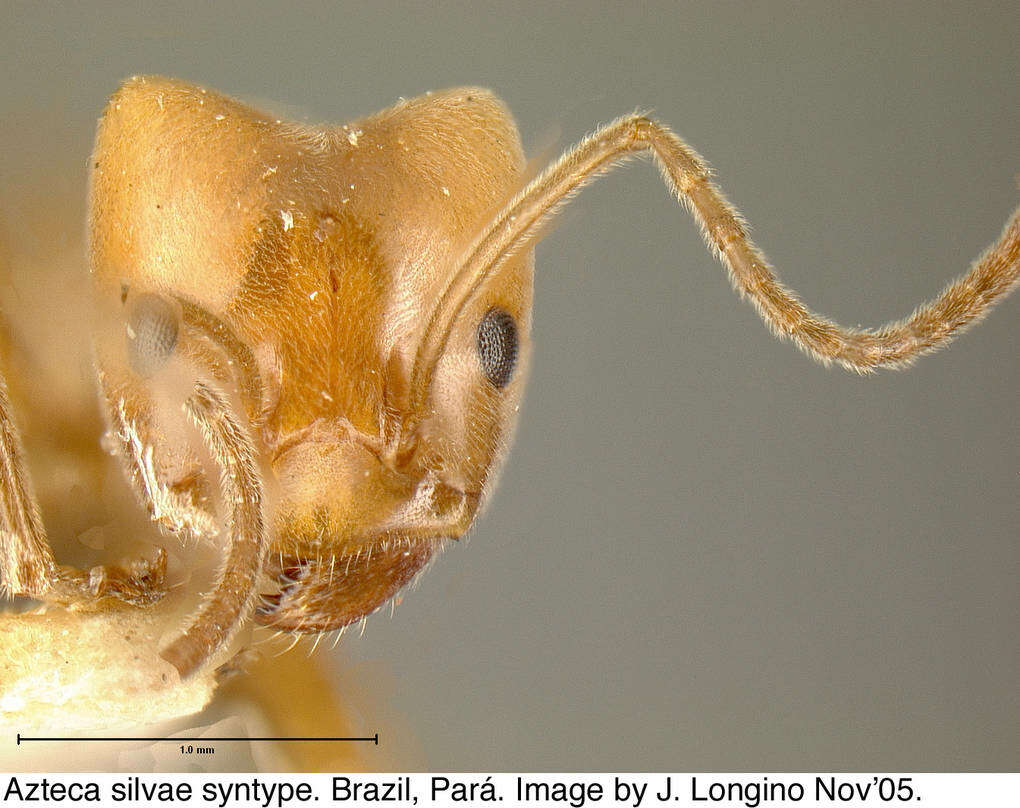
[497,346]
[152,333]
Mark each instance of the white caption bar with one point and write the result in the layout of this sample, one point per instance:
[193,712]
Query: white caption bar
[574,790]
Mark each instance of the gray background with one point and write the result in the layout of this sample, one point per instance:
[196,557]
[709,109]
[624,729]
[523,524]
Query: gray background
[706,551]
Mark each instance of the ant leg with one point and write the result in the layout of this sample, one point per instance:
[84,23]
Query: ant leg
[233,597]
[27,565]
[26,560]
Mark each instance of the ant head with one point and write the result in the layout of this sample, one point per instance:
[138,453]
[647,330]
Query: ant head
[315,272]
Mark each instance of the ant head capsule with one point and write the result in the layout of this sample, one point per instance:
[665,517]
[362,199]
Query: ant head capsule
[322,261]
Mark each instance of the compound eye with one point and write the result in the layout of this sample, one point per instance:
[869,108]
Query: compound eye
[497,346]
[152,333]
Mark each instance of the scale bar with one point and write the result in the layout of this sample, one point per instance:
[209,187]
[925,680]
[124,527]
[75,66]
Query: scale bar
[370,739]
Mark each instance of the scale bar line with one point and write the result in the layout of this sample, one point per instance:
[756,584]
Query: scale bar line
[370,739]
